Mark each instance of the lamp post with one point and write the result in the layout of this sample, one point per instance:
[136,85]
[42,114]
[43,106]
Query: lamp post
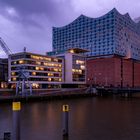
[106,81]
[95,80]
[99,74]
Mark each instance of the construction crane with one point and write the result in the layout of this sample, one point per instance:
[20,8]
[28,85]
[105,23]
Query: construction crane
[5,47]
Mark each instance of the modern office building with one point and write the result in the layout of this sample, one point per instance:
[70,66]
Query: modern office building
[110,34]
[44,71]
[3,73]
[74,68]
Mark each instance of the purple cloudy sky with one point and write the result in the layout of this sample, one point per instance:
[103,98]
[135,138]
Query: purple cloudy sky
[28,23]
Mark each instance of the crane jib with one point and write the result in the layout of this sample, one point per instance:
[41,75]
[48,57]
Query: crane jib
[5,47]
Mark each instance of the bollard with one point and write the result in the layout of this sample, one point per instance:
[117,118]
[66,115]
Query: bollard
[7,136]
[65,119]
[16,107]
[65,138]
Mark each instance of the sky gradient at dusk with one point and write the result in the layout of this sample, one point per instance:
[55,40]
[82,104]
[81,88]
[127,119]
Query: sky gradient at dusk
[28,23]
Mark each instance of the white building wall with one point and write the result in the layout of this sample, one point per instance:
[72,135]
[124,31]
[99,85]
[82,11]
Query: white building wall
[68,68]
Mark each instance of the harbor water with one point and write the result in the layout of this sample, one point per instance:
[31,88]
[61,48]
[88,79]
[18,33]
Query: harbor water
[89,119]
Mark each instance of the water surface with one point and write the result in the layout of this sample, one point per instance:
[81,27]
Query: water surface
[89,119]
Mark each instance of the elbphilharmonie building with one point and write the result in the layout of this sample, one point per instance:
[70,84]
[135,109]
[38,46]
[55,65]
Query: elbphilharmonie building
[110,34]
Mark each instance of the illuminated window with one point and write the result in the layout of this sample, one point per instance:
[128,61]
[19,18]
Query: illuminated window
[2,85]
[14,78]
[49,79]
[82,67]
[56,60]
[40,58]
[60,65]
[80,71]
[71,51]
[15,62]
[33,73]
[34,57]
[41,68]
[50,74]
[77,71]
[38,63]
[79,62]
[45,64]
[37,68]
[73,70]
[49,64]
[60,79]
[34,85]
[48,59]
[56,65]
[21,62]
[56,70]
[13,73]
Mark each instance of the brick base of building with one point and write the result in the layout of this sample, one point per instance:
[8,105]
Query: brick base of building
[113,71]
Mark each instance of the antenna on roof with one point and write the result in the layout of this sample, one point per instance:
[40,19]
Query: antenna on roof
[24,49]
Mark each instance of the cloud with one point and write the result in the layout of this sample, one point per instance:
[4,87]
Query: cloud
[29,22]
[54,10]
[130,6]
[12,12]
[17,37]
[95,8]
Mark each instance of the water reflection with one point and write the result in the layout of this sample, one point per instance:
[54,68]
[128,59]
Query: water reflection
[91,118]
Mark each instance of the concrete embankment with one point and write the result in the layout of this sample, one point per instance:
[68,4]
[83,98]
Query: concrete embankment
[44,95]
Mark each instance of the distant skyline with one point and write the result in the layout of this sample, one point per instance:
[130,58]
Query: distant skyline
[28,23]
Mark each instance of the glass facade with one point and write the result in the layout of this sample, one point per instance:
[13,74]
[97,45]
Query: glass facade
[110,34]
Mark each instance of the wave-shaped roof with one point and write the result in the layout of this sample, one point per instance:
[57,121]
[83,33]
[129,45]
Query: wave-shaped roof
[114,10]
